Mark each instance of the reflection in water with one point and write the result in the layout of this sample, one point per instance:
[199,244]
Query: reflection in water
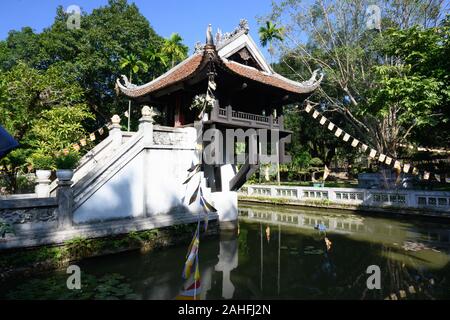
[279,254]
[228,261]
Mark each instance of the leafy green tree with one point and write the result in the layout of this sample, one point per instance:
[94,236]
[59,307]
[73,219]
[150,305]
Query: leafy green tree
[268,34]
[363,75]
[134,65]
[43,110]
[174,49]
[156,59]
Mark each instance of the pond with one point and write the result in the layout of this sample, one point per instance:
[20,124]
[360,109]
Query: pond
[277,254]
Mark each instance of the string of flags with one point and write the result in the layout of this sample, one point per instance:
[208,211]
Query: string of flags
[191,271]
[373,154]
[93,135]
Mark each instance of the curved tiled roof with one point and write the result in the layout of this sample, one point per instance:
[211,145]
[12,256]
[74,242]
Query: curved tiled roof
[272,79]
[177,74]
[189,67]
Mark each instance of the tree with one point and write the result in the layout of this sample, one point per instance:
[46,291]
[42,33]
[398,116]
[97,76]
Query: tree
[363,76]
[269,34]
[156,59]
[134,65]
[43,110]
[174,49]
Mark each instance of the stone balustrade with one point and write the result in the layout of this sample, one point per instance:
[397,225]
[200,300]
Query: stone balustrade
[418,199]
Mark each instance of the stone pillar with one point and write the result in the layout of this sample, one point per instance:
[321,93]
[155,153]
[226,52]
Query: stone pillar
[226,201]
[64,198]
[146,124]
[115,132]
[42,188]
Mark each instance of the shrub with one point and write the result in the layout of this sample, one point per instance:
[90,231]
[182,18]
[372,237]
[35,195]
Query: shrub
[41,161]
[67,159]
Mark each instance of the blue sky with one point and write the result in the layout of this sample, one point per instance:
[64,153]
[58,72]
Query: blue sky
[188,18]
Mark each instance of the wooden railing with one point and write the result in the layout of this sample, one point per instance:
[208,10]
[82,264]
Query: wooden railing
[230,116]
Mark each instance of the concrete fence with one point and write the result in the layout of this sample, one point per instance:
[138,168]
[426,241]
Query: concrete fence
[417,199]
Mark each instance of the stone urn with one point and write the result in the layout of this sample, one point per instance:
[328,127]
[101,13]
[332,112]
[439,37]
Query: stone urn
[43,174]
[64,174]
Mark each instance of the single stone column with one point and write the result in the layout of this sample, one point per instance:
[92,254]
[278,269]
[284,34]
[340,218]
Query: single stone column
[115,132]
[64,197]
[42,188]
[146,124]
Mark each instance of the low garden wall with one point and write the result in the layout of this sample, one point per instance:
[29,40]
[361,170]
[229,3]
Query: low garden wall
[434,201]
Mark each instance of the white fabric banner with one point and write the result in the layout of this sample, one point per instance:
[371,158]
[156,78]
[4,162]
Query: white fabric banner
[355,142]
[338,132]
[388,160]
[323,120]
[315,114]
[406,167]
[426,175]
[397,164]
[382,157]
[331,126]
[308,108]
[346,137]
[372,153]
[438,177]
[364,147]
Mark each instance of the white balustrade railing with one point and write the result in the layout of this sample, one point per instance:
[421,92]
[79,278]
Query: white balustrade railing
[435,200]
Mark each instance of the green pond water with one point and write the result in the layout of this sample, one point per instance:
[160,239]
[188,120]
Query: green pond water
[277,254]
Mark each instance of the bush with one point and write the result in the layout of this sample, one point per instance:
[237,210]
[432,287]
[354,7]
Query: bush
[315,162]
[67,160]
[41,161]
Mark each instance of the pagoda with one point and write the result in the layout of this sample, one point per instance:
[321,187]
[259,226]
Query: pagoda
[230,72]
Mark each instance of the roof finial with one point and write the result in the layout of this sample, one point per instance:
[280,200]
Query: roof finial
[209,36]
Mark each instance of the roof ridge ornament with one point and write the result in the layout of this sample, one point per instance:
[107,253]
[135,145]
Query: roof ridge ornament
[209,37]
[243,27]
[313,80]
[126,83]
